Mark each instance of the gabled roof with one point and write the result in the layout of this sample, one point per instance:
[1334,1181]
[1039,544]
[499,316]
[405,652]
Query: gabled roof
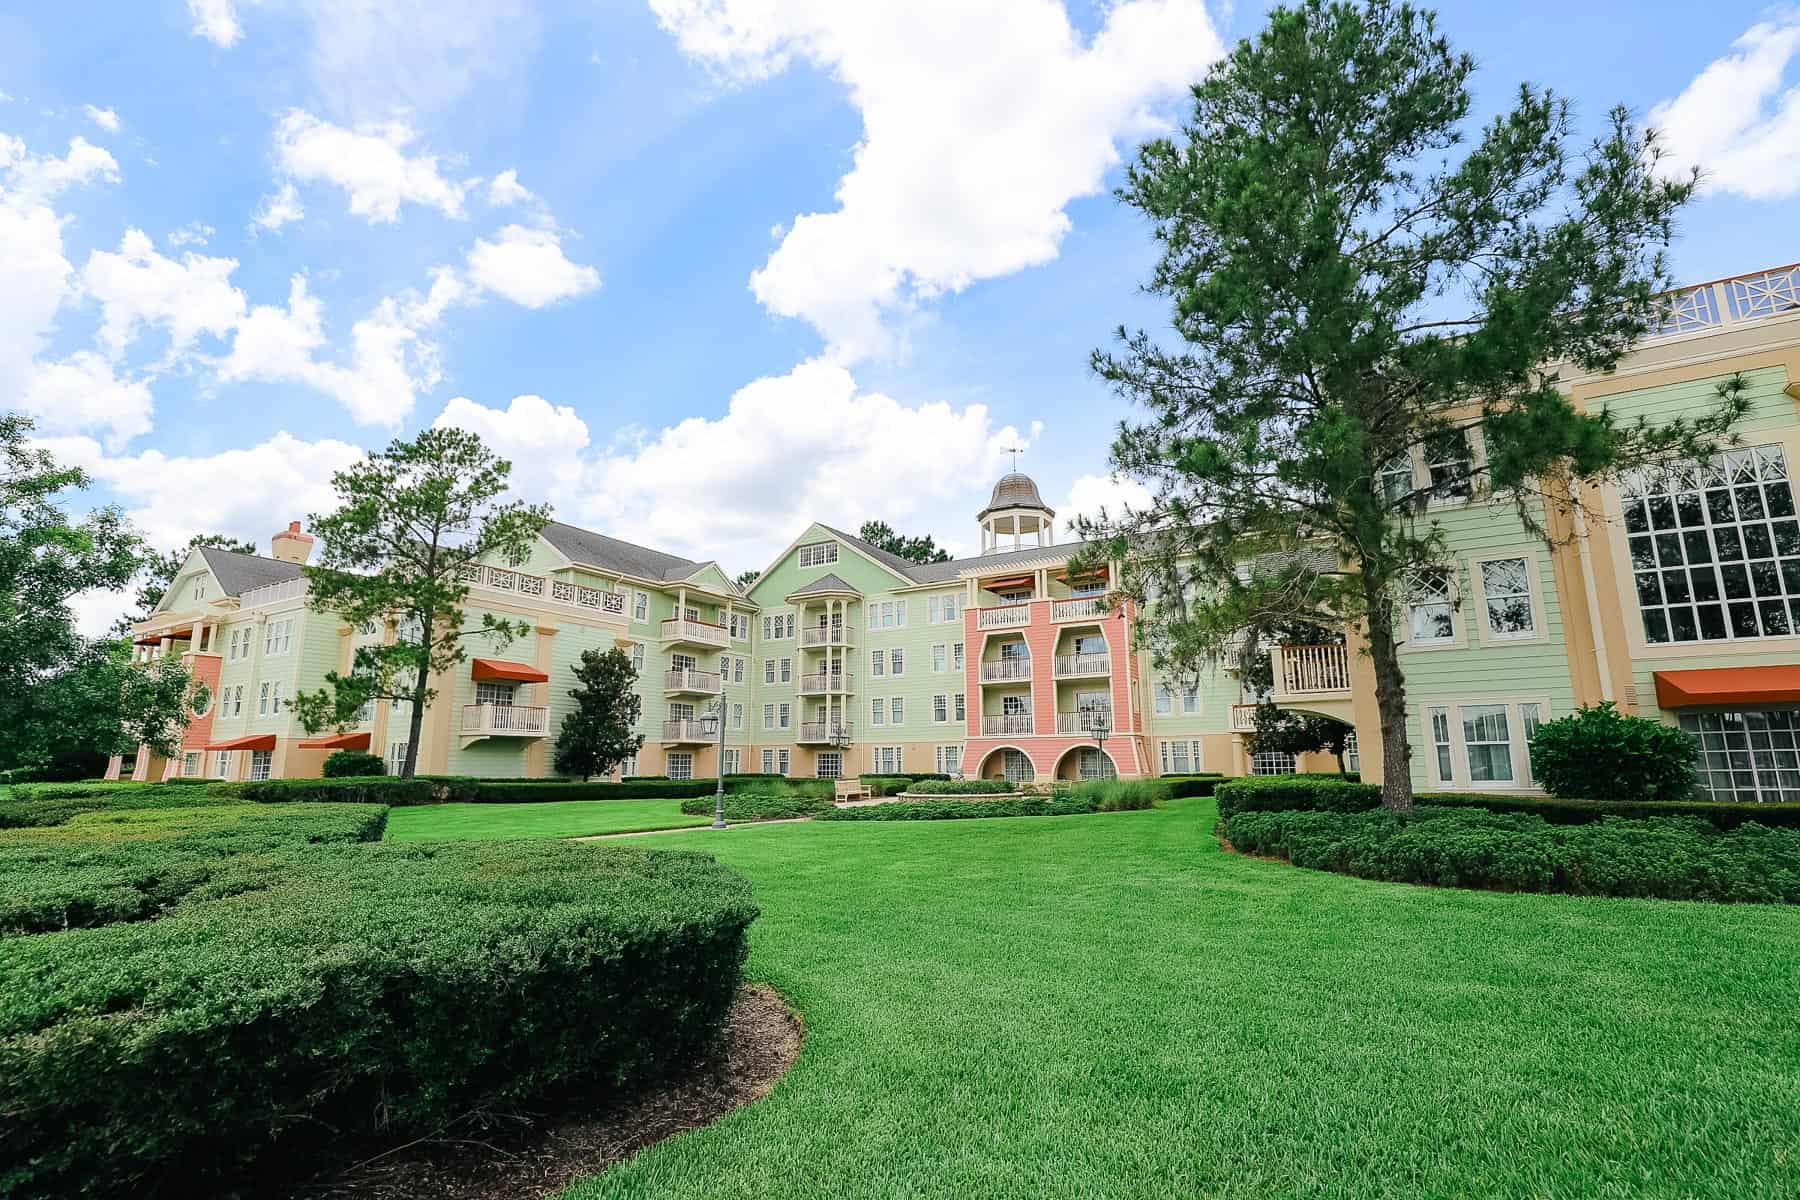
[618,557]
[240,573]
[824,585]
[888,559]
[944,572]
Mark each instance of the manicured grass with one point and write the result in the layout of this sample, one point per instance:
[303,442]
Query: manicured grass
[555,818]
[1109,1005]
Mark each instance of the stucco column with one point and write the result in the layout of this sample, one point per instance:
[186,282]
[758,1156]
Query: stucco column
[537,751]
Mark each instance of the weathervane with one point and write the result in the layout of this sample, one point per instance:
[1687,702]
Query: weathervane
[1015,451]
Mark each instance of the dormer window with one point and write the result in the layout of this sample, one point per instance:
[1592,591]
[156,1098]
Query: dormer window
[818,554]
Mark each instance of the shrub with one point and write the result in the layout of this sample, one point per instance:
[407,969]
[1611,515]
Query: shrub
[760,806]
[1120,795]
[909,776]
[963,787]
[1067,805]
[776,785]
[1672,858]
[25,808]
[1270,793]
[1600,753]
[366,990]
[1191,785]
[341,764]
[531,792]
[361,789]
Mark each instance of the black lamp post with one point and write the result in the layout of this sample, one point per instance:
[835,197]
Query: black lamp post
[1099,723]
[714,721]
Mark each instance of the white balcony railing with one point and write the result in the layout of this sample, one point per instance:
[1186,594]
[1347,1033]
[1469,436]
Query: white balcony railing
[1086,608]
[1243,718]
[1084,722]
[680,629]
[1008,616]
[505,720]
[1311,670]
[705,682]
[1076,666]
[1727,303]
[1006,670]
[1004,726]
[687,730]
[824,731]
[825,635]
[539,587]
[272,593]
[827,681]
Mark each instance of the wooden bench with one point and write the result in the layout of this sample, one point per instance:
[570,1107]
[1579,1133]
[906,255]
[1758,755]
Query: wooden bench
[850,789]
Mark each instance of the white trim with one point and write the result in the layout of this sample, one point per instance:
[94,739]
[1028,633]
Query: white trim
[1459,780]
[1534,589]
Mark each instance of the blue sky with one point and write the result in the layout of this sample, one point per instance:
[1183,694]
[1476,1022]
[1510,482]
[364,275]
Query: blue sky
[705,269]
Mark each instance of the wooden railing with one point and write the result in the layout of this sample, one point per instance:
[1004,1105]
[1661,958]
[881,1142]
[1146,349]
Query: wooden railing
[1003,726]
[1084,722]
[505,720]
[272,593]
[1243,718]
[691,681]
[1006,670]
[1085,608]
[821,731]
[1727,303]
[828,635]
[561,591]
[689,730]
[1008,616]
[1310,670]
[704,632]
[827,681]
[1075,666]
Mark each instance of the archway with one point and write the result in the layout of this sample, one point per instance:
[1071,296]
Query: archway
[1086,762]
[1008,762]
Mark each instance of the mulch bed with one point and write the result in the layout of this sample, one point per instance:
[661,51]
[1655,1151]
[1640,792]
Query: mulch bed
[504,1156]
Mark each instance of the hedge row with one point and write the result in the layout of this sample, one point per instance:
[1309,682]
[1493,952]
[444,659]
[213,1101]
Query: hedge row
[963,787]
[19,811]
[956,810]
[1289,792]
[1671,858]
[753,806]
[1191,785]
[363,990]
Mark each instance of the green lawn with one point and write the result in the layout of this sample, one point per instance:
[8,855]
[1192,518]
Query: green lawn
[1110,1006]
[555,818]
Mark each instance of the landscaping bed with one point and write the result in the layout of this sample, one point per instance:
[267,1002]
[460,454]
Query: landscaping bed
[754,806]
[257,987]
[1093,797]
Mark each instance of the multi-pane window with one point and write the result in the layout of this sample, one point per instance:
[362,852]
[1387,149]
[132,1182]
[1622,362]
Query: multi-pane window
[781,762]
[818,554]
[896,661]
[787,670]
[947,760]
[784,714]
[1013,706]
[628,766]
[1092,586]
[1487,742]
[733,761]
[501,694]
[768,716]
[1449,465]
[1180,756]
[943,608]
[1430,607]
[1748,757]
[889,760]
[637,658]
[262,762]
[278,636]
[1395,480]
[828,765]
[1272,762]
[737,716]
[1190,697]
[1439,720]
[1506,589]
[1095,765]
[768,670]
[640,606]
[960,706]
[889,614]
[737,671]
[190,764]
[938,657]
[680,765]
[1165,700]
[1715,548]
[956,655]
[221,764]
[877,663]
[877,711]
[1016,766]
[940,708]
[1353,759]
[768,762]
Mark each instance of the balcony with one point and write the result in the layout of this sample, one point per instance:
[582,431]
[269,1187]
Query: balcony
[1243,718]
[505,720]
[1084,722]
[826,681]
[1302,671]
[695,633]
[819,732]
[1086,608]
[1007,616]
[1006,726]
[1730,303]
[686,732]
[825,635]
[1006,670]
[701,683]
[1082,666]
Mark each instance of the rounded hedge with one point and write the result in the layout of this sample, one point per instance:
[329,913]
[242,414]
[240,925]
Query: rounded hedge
[346,990]
[344,764]
[1600,753]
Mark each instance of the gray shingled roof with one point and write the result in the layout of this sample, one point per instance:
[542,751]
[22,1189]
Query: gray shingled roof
[944,572]
[239,573]
[825,583]
[610,554]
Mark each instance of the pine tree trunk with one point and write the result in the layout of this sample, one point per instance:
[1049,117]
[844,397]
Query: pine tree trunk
[1390,698]
[421,681]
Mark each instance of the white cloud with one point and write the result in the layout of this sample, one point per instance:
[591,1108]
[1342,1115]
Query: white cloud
[105,118]
[371,165]
[81,393]
[139,287]
[27,179]
[279,209]
[505,189]
[216,21]
[1089,495]
[194,233]
[981,123]
[528,267]
[546,444]
[1736,121]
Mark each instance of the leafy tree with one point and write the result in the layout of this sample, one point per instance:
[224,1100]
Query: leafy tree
[598,735]
[1600,753]
[1282,731]
[921,549]
[1344,293]
[410,519]
[746,578]
[160,569]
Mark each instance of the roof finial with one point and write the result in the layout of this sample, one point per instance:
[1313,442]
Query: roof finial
[1015,451]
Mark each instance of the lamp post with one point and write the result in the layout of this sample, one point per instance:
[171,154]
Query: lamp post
[1099,723]
[714,720]
[840,741]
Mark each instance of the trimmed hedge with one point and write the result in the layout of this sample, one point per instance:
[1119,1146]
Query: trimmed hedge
[362,990]
[520,792]
[37,809]
[1191,785]
[343,764]
[909,776]
[1291,792]
[753,806]
[362,789]
[1070,805]
[885,785]
[963,787]
[1670,858]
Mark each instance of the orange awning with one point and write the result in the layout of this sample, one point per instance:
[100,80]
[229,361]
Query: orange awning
[1011,581]
[152,639]
[337,741]
[1728,685]
[509,672]
[256,741]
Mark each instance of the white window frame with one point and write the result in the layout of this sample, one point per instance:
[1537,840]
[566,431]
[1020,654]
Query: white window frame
[1273,762]
[940,708]
[1163,699]
[734,760]
[960,707]
[640,606]
[896,710]
[1451,594]
[940,657]
[782,762]
[768,762]
[1472,445]
[877,710]
[828,764]
[500,695]
[896,662]
[1518,737]
[637,657]
[768,716]
[956,655]
[877,664]
[221,764]
[1533,597]
[262,764]
[784,714]
[947,760]
[679,764]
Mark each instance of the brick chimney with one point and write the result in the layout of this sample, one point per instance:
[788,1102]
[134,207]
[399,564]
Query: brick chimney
[290,545]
